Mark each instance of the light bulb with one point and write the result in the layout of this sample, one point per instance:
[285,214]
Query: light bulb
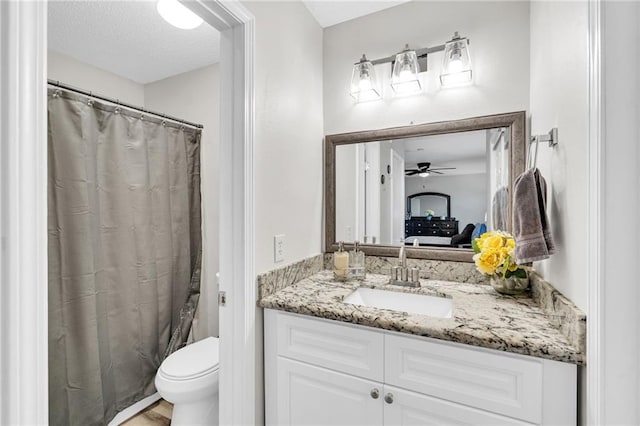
[364,85]
[178,15]
[405,75]
[455,66]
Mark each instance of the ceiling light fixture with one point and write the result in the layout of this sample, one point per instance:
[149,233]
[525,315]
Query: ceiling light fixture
[178,15]
[406,67]
[423,174]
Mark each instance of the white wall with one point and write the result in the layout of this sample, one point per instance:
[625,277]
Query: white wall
[620,317]
[499,37]
[559,98]
[346,193]
[288,141]
[288,165]
[195,96]
[468,194]
[87,77]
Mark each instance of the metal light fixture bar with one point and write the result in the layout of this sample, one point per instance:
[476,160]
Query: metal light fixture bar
[420,53]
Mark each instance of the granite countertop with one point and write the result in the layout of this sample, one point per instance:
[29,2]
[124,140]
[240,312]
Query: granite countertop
[481,317]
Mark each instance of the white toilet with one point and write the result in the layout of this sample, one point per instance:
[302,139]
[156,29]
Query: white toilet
[188,378]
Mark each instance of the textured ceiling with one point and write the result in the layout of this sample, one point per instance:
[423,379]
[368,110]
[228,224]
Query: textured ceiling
[129,38]
[329,12]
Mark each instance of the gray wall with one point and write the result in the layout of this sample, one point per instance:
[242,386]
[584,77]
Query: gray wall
[468,194]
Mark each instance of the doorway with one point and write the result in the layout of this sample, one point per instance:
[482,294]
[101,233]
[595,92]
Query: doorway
[23,389]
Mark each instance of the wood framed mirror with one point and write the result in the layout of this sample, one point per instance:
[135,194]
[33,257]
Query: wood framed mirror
[370,175]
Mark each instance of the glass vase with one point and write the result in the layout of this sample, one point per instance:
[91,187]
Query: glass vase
[512,285]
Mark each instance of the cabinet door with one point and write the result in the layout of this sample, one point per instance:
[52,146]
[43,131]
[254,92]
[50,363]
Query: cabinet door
[405,408]
[487,380]
[308,395]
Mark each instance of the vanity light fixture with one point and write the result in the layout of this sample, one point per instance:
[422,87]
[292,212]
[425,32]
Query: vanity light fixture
[456,64]
[404,78]
[178,15]
[406,67]
[364,86]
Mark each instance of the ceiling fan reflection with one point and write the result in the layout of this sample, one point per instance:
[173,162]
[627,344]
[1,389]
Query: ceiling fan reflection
[425,169]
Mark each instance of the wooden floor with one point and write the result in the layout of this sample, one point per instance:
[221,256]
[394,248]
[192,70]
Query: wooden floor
[158,414]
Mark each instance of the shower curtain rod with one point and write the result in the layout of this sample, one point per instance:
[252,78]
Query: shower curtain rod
[57,83]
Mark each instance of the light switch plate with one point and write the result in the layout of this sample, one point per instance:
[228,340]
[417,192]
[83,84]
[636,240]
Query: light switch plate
[278,248]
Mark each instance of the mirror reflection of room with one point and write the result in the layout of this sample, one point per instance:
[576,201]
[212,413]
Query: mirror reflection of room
[428,191]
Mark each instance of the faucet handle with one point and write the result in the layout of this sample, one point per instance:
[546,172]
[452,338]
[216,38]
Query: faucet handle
[415,275]
[395,273]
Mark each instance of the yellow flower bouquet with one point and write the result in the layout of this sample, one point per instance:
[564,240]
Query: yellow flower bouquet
[495,257]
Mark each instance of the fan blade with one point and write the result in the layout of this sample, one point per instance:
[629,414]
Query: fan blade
[443,168]
[438,173]
[411,172]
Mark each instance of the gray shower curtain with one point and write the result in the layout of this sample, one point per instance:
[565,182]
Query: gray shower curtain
[124,253]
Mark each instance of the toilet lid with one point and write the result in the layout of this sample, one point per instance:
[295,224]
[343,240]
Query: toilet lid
[193,360]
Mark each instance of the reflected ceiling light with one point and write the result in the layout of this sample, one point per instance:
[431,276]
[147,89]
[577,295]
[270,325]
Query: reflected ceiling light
[178,15]
[406,67]
[456,64]
[404,78]
[364,86]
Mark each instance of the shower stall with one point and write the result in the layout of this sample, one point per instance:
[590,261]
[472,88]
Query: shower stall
[124,250]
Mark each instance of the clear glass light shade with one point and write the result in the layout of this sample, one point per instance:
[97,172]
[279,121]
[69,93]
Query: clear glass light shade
[404,78]
[364,86]
[178,15]
[456,65]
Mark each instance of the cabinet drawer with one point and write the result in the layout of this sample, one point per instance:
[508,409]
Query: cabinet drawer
[501,383]
[332,345]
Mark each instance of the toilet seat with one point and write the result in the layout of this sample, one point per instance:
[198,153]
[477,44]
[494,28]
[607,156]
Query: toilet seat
[193,361]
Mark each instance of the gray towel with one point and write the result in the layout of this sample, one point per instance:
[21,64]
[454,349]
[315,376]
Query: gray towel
[530,224]
[500,209]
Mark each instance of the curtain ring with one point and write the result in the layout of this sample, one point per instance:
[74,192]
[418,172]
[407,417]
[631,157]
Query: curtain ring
[181,127]
[142,117]
[117,110]
[164,122]
[56,94]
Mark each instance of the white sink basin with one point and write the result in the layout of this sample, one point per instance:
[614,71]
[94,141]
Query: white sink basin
[404,302]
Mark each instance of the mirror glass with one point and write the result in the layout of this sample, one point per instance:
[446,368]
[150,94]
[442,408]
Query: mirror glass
[432,186]
[430,191]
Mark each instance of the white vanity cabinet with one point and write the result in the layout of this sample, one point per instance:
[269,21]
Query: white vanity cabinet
[322,372]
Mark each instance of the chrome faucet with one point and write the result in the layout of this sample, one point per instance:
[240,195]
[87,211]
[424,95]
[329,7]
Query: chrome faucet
[402,274]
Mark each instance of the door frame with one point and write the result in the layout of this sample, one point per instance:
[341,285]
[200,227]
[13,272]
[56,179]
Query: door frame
[23,211]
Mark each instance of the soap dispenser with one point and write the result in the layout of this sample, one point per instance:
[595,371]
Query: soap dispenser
[356,262]
[340,263]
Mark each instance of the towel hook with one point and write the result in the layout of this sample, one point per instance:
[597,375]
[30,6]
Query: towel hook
[530,164]
[551,138]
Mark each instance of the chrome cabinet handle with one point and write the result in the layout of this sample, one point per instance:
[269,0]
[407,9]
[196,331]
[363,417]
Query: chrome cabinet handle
[375,393]
[388,398]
